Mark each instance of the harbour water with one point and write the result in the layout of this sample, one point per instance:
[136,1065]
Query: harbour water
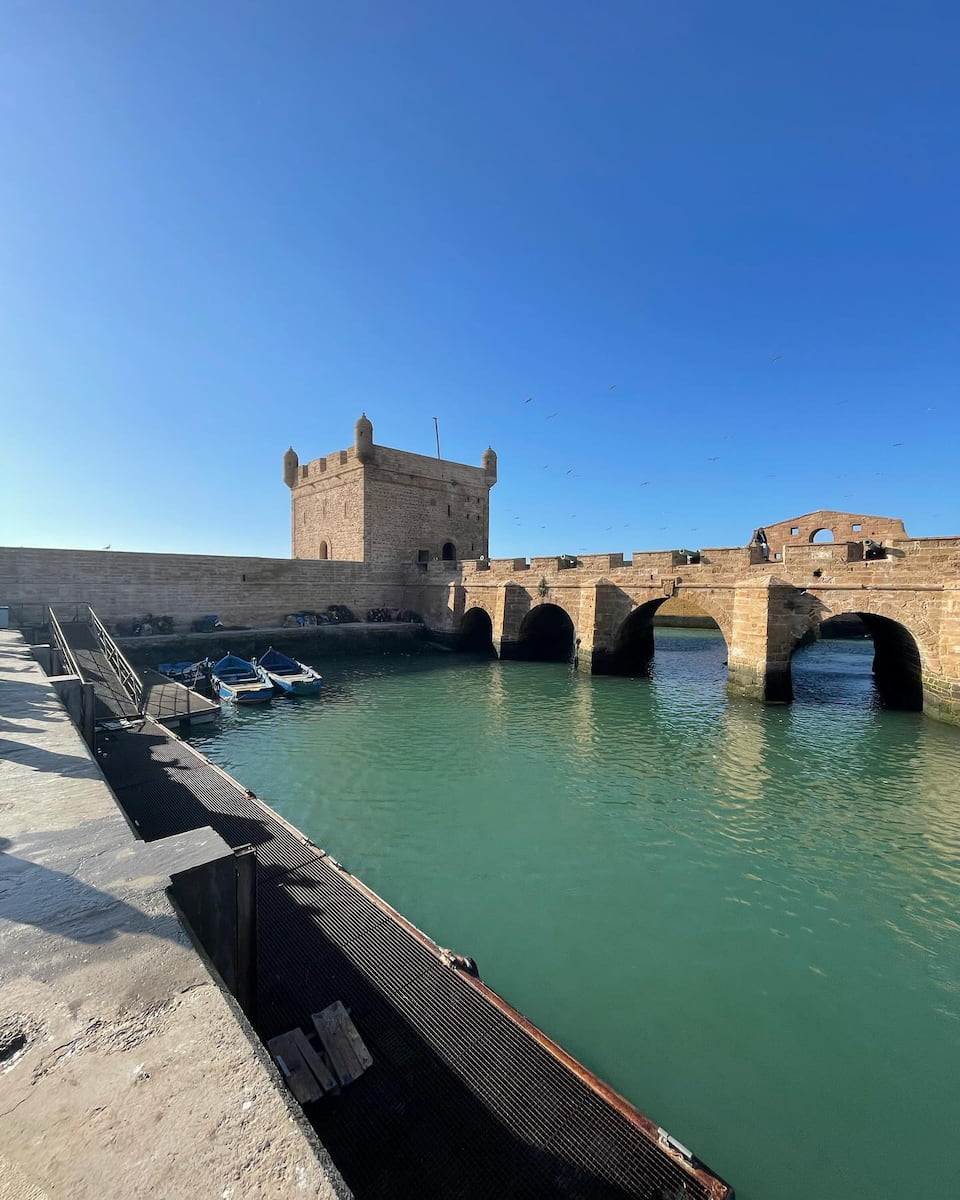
[744,918]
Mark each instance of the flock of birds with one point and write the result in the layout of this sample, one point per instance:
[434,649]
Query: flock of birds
[571,473]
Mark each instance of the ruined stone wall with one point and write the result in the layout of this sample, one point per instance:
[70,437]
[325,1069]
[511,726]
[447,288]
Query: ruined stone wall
[241,591]
[845,527]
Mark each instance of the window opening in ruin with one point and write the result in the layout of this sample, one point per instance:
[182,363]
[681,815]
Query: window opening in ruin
[857,528]
[794,531]
[822,535]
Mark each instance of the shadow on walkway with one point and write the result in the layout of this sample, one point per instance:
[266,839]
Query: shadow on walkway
[61,904]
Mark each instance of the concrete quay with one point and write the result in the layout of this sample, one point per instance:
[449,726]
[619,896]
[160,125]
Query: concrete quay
[125,1070]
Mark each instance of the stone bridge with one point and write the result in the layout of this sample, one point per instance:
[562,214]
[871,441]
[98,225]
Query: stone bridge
[767,599]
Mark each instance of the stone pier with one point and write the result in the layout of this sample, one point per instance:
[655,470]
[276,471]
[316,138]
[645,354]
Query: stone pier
[125,1070]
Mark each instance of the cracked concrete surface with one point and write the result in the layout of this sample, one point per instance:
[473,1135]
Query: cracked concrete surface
[124,1070]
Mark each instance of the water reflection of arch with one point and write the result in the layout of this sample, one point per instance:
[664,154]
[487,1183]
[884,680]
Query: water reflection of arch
[741,748]
[905,646]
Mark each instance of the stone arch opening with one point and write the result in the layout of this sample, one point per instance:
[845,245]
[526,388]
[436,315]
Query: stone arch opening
[632,651]
[822,535]
[633,648]
[547,634]
[476,632]
[449,552]
[324,551]
[896,667]
[683,612]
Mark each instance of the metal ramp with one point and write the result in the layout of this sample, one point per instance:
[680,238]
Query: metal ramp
[116,699]
[120,693]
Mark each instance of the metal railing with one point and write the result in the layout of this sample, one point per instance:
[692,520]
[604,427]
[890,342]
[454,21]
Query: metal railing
[131,681]
[72,667]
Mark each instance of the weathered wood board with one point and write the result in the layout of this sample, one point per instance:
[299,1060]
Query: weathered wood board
[306,1074]
[348,1055]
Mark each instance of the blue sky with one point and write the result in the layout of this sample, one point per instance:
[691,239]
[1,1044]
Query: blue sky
[229,226]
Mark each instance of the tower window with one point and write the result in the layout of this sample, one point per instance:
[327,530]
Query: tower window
[324,551]
[449,552]
[448,510]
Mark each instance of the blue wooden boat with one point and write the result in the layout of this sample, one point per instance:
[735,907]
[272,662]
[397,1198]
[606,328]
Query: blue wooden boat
[288,675]
[240,681]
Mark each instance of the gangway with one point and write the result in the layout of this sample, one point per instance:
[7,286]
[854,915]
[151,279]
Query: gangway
[120,694]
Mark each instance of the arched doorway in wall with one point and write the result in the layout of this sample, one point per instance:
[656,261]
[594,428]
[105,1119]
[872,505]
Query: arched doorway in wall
[546,635]
[449,552]
[324,551]
[861,659]
[475,635]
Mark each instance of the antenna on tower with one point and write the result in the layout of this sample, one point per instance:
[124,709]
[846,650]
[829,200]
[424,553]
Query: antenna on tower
[436,430]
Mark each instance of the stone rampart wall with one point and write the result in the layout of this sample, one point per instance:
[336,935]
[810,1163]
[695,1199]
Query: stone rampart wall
[241,591]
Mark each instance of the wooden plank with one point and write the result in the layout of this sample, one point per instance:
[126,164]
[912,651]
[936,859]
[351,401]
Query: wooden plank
[316,1064]
[348,1055]
[289,1057]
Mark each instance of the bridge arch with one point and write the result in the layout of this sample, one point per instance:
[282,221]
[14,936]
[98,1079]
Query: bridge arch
[905,651]
[547,634]
[476,632]
[632,648]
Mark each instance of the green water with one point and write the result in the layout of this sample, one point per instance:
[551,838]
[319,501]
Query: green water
[744,918]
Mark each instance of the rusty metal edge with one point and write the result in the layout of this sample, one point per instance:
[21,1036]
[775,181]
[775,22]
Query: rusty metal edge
[717,1188]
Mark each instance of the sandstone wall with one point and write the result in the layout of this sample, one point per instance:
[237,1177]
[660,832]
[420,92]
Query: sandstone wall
[844,526]
[389,507]
[411,510]
[328,511]
[241,591]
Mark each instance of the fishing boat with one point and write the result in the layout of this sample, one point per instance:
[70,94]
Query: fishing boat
[289,675]
[188,673]
[240,681]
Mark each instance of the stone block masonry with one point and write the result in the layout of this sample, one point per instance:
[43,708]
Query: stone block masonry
[374,504]
[122,586]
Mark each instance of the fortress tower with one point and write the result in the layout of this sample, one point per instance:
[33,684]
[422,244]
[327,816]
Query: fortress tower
[374,504]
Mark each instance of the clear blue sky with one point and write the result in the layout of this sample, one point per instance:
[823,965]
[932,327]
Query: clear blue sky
[227,227]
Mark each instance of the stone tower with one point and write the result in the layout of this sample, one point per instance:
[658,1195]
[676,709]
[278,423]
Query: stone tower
[373,504]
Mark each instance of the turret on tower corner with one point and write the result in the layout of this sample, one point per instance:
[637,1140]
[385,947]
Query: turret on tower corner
[374,504]
[363,439]
[291,466]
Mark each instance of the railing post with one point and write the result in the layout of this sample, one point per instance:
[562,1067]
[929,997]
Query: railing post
[246,867]
[88,725]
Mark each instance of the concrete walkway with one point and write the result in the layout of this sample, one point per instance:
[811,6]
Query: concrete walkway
[124,1070]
